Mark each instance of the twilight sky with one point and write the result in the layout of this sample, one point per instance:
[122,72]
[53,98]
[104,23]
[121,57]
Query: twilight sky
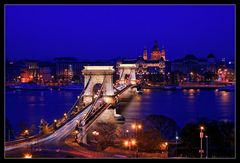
[92,32]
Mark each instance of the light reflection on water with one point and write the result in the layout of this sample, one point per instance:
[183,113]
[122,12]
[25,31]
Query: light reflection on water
[182,105]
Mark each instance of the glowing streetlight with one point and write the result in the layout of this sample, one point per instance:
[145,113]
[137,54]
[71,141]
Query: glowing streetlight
[95,133]
[27,155]
[139,126]
[201,137]
[129,143]
[55,120]
[133,126]
[26,132]
[126,143]
[133,142]
[176,143]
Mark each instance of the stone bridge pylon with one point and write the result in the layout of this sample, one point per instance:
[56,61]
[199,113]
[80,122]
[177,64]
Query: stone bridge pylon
[127,73]
[98,75]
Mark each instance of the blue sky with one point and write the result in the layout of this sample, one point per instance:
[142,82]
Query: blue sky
[93,32]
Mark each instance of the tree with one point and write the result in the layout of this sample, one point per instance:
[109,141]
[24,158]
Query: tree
[107,134]
[149,140]
[167,126]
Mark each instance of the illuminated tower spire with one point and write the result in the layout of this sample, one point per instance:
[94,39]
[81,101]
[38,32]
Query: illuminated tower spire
[155,55]
[145,53]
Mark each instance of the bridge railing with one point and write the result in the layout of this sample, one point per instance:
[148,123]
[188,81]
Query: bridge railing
[95,101]
[72,112]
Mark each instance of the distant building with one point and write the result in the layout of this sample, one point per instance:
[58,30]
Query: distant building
[13,71]
[190,63]
[152,69]
[45,74]
[193,68]
[157,54]
[33,69]
[70,69]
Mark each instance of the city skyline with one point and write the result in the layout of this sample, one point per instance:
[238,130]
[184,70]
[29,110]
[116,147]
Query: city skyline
[104,29]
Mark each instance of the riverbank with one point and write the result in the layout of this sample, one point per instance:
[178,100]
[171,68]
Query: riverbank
[181,87]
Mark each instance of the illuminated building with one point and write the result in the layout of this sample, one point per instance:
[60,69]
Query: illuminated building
[157,54]
[145,57]
[153,69]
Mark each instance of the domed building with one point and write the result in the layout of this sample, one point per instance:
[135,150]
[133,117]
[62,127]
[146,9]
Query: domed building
[154,67]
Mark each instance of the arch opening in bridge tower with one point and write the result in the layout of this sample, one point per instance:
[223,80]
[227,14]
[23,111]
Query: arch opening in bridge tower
[99,75]
[127,70]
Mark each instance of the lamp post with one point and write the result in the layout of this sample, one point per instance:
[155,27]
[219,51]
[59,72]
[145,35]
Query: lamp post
[201,137]
[95,134]
[206,146]
[76,135]
[176,144]
[129,143]
[136,127]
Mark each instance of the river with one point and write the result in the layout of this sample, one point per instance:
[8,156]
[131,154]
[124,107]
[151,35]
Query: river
[24,107]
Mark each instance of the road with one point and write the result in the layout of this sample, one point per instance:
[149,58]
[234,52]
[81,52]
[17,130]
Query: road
[54,138]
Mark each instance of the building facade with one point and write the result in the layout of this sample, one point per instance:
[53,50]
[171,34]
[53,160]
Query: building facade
[149,69]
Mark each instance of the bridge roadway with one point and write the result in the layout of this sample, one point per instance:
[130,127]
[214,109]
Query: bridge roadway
[61,133]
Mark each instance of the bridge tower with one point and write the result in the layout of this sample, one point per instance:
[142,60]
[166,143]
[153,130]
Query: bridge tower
[127,70]
[102,75]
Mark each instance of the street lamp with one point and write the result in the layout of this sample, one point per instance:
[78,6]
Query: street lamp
[206,146]
[55,124]
[128,143]
[201,137]
[65,115]
[176,143]
[76,133]
[26,133]
[136,127]
[27,155]
[95,134]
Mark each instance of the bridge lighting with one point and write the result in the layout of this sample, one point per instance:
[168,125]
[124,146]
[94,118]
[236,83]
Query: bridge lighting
[55,120]
[76,131]
[65,114]
[166,143]
[76,106]
[78,97]
[139,126]
[27,155]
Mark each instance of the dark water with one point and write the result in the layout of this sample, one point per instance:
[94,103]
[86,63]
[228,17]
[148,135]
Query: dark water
[24,108]
[183,106]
